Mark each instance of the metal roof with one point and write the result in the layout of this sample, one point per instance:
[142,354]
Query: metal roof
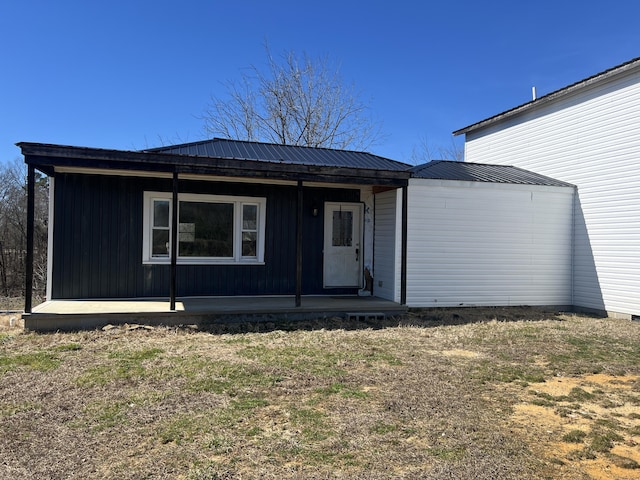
[480,172]
[47,158]
[618,69]
[284,154]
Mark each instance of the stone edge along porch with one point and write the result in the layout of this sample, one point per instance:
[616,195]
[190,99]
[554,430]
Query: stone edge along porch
[68,315]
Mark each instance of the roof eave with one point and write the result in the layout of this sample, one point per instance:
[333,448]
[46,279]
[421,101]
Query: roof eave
[46,157]
[587,82]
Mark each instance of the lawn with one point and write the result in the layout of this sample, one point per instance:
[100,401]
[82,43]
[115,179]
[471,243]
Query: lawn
[438,394]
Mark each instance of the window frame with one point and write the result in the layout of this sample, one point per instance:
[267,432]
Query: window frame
[238,203]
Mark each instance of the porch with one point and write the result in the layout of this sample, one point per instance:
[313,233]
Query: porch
[203,311]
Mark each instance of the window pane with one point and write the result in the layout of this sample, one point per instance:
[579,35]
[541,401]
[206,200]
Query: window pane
[249,217]
[160,243]
[249,244]
[187,232]
[206,229]
[342,229]
[161,213]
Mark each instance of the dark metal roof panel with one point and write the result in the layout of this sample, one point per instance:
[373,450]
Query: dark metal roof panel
[270,152]
[479,172]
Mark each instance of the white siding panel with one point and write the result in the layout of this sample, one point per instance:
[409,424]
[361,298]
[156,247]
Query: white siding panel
[591,139]
[472,243]
[386,280]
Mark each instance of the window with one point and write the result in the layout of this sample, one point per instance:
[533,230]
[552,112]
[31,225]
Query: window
[205,229]
[342,228]
[160,228]
[211,228]
[249,230]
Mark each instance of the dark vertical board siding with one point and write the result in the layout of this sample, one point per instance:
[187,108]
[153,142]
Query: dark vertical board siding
[98,241]
[108,272]
[281,225]
[58,241]
[270,226]
[313,228]
[84,246]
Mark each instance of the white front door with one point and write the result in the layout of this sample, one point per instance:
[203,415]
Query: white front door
[342,244]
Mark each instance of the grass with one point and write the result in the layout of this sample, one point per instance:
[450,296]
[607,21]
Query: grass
[37,360]
[433,396]
[574,436]
[123,366]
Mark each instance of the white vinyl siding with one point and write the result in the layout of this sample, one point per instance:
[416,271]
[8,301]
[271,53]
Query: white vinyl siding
[386,275]
[590,138]
[486,244]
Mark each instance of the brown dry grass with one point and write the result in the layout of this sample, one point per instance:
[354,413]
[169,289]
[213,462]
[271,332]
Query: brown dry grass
[441,394]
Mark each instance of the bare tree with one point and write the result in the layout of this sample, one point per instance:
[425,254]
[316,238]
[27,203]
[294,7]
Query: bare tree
[426,152]
[293,102]
[13,230]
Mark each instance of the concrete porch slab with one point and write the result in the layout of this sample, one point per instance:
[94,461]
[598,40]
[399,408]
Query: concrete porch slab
[94,313]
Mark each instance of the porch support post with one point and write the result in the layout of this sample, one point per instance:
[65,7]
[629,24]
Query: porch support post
[174,241]
[28,274]
[403,264]
[299,247]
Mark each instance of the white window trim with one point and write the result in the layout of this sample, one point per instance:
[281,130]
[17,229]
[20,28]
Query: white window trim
[237,259]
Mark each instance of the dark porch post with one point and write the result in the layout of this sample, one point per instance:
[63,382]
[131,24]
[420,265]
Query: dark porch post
[174,241]
[403,264]
[299,247]
[28,274]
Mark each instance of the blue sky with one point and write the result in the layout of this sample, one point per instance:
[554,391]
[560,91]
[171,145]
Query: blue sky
[139,73]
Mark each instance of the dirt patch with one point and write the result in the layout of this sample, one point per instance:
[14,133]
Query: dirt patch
[563,385]
[588,423]
[460,353]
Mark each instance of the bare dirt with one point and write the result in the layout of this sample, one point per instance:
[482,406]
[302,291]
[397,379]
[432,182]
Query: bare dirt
[548,424]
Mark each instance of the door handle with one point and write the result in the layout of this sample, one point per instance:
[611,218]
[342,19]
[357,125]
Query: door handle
[357,254]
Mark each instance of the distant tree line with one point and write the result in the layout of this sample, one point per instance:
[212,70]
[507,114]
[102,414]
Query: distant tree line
[13,230]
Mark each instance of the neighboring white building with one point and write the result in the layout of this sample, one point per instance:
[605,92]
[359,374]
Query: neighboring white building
[477,235]
[587,134]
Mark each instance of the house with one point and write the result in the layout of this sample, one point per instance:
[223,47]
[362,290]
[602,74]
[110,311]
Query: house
[586,134]
[217,218]
[226,219]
